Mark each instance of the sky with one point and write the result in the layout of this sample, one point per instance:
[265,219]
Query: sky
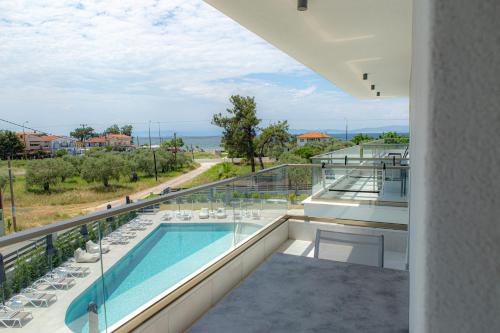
[172,62]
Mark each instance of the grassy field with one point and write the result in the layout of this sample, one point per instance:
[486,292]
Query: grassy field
[71,198]
[219,172]
[205,155]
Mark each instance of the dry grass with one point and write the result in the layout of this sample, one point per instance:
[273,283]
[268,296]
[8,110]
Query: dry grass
[69,199]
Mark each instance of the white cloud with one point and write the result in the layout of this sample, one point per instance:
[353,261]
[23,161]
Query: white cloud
[67,62]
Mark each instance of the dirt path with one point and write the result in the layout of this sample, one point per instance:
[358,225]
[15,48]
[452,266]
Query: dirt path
[174,182]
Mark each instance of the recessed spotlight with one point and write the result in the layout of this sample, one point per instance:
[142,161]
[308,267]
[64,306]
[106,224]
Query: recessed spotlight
[301,5]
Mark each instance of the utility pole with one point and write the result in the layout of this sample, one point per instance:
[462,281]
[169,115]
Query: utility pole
[83,136]
[149,131]
[24,138]
[159,132]
[192,152]
[175,147]
[345,129]
[152,150]
[154,160]
[14,220]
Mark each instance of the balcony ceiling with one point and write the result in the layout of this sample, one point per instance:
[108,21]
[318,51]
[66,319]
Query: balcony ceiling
[339,39]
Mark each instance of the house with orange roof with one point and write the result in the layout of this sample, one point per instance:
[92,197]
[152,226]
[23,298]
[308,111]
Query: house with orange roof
[53,143]
[32,141]
[118,140]
[113,140]
[311,137]
[98,141]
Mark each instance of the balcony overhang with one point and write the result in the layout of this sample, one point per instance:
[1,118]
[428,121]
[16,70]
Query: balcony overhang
[340,40]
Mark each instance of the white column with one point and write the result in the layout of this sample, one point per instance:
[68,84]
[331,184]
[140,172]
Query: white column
[455,176]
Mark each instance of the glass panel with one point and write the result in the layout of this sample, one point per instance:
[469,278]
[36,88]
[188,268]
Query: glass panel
[380,182]
[301,183]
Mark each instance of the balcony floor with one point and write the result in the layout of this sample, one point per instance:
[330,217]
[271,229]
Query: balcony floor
[299,294]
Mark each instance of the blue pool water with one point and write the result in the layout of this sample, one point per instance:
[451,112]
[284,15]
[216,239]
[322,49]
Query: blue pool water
[170,253]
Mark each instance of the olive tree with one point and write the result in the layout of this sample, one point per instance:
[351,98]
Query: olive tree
[103,168]
[42,173]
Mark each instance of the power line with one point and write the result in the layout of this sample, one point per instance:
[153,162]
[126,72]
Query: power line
[22,126]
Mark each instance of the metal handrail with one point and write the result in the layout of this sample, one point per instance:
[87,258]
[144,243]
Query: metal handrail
[32,233]
[29,234]
[342,166]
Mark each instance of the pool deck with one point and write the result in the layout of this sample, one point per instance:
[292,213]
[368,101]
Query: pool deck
[51,319]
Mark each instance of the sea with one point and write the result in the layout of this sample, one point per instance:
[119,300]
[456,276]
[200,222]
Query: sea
[214,142]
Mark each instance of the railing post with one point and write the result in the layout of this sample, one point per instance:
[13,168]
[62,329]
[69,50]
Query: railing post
[93,318]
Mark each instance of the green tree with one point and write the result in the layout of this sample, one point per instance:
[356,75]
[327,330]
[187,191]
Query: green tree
[42,173]
[298,176]
[103,168]
[360,137]
[126,130]
[83,133]
[10,144]
[76,162]
[239,128]
[165,160]
[393,137]
[114,129]
[173,143]
[64,169]
[272,137]
[145,163]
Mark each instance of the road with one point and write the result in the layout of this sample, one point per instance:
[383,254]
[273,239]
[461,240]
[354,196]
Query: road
[174,182]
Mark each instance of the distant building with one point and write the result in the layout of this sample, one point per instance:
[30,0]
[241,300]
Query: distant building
[33,142]
[53,143]
[113,140]
[311,137]
[118,140]
[99,141]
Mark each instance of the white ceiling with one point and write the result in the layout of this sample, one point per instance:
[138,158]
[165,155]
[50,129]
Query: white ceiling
[339,39]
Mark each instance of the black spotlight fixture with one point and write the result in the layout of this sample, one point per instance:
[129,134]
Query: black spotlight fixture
[365,76]
[373,87]
[301,5]
[378,93]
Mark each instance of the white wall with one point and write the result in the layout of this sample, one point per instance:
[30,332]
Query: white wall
[455,147]
[362,212]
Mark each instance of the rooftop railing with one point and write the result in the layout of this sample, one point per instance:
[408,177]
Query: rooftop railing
[96,272]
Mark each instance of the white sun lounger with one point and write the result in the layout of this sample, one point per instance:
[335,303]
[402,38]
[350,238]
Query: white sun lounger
[72,271]
[115,239]
[34,297]
[54,281]
[133,226]
[11,318]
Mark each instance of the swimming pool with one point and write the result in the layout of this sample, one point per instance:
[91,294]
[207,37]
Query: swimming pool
[168,254]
